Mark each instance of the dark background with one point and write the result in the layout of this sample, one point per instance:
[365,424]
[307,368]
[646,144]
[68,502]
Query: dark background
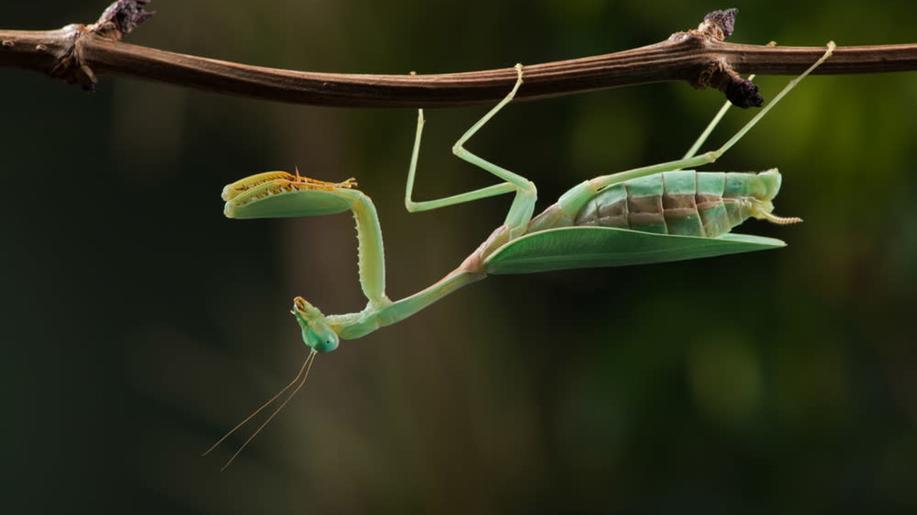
[138,324]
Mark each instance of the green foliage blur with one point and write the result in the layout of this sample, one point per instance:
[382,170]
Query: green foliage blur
[139,324]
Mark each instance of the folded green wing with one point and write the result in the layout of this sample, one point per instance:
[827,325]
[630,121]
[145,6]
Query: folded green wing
[592,247]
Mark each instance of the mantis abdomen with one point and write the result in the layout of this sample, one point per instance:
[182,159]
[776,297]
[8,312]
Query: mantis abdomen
[686,202]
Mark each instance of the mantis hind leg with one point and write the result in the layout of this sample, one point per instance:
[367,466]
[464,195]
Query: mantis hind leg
[526,194]
[715,121]
[712,156]
[572,201]
[692,151]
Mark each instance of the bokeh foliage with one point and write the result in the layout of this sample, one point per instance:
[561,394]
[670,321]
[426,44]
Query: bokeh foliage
[139,323]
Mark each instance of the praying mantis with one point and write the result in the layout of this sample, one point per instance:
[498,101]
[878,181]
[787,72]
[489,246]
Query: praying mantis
[651,214]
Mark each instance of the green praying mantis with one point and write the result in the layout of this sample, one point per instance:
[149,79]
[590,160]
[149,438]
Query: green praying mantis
[658,213]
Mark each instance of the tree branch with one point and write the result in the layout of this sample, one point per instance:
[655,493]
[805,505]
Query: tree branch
[77,53]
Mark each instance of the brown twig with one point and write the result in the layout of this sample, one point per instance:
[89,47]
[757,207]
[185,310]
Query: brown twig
[77,53]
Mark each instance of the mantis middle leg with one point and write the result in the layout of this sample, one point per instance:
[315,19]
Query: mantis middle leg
[526,194]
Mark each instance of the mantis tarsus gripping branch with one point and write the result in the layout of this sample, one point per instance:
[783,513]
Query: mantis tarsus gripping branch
[663,212]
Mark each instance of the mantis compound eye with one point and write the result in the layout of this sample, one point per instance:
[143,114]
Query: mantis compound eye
[317,334]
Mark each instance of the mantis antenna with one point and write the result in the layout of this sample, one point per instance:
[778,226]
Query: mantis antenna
[300,378]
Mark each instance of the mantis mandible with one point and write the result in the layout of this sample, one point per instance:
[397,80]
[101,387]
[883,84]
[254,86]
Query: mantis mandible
[658,213]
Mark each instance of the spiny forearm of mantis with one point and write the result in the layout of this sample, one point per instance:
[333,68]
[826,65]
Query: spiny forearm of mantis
[78,53]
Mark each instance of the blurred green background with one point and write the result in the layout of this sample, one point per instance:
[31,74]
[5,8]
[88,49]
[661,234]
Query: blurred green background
[139,324]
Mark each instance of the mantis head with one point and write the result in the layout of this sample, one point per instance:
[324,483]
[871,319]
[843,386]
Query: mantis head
[761,201]
[317,333]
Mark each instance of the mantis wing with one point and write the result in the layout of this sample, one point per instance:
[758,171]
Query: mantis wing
[590,247]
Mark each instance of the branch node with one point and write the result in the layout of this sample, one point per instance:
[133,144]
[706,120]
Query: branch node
[70,65]
[740,91]
[718,25]
[120,18]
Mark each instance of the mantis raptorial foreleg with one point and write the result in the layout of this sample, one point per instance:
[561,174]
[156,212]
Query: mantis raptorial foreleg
[523,205]
[282,194]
